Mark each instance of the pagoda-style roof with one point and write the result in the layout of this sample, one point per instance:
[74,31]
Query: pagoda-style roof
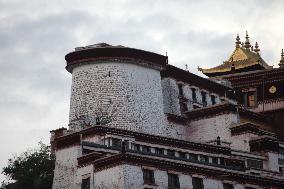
[244,58]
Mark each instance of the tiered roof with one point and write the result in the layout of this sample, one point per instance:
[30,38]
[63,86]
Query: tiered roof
[243,58]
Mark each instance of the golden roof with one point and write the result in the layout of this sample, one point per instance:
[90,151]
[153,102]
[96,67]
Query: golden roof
[242,58]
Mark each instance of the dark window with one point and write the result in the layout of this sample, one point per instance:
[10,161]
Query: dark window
[213,99]
[159,151]
[146,149]
[250,99]
[116,143]
[197,183]
[228,186]
[180,89]
[281,155]
[182,155]
[204,159]
[256,164]
[193,157]
[215,160]
[173,181]
[204,102]
[222,161]
[170,153]
[136,147]
[194,99]
[85,183]
[183,106]
[148,177]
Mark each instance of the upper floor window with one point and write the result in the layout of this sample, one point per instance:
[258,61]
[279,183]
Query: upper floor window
[136,147]
[203,94]
[204,159]
[159,151]
[146,149]
[85,183]
[281,155]
[193,90]
[116,143]
[170,153]
[183,106]
[148,177]
[213,99]
[173,181]
[193,157]
[180,89]
[256,164]
[228,186]
[197,183]
[182,155]
[250,97]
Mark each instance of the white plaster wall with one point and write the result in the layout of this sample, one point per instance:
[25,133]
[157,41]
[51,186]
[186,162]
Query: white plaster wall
[111,178]
[272,163]
[212,184]
[207,129]
[161,179]
[66,168]
[170,96]
[132,95]
[87,170]
[241,142]
[185,181]
[131,177]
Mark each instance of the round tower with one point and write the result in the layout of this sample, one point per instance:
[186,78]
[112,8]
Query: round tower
[116,86]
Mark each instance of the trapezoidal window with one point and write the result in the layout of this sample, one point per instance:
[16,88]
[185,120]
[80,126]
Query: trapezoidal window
[148,177]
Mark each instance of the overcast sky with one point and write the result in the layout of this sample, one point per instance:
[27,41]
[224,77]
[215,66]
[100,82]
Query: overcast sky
[35,36]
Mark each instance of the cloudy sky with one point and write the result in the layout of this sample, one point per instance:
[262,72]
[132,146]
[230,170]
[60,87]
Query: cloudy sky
[35,35]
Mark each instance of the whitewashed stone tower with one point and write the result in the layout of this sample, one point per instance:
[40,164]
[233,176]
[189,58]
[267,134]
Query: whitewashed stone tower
[118,86]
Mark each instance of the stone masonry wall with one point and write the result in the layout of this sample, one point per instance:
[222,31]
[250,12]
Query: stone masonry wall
[208,129]
[132,177]
[130,94]
[66,168]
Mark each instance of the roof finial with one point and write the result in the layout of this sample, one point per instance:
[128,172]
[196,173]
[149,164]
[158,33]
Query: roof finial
[186,68]
[256,49]
[281,63]
[238,42]
[247,43]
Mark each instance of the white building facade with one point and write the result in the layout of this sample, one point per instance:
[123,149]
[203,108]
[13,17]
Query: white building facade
[137,122]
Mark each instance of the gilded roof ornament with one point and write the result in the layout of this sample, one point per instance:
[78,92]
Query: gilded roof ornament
[256,48]
[281,63]
[247,43]
[238,42]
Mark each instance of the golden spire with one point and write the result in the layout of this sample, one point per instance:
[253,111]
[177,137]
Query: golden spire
[281,63]
[256,49]
[238,42]
[247,43]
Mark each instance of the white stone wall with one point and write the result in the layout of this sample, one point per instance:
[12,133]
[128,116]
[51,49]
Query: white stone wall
[131,94]
[112,178]
[208,129]
[272,162]
[241,142]
[131,177]
[66,168]
[170,96]
[87,171]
